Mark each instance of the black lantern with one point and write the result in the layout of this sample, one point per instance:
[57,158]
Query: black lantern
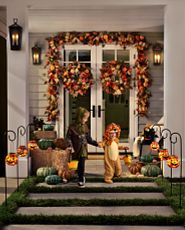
[157,54]
[36,55]
[15,35]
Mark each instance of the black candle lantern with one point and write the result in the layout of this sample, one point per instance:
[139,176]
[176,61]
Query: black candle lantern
[157,54]
[15,32]
[36,55]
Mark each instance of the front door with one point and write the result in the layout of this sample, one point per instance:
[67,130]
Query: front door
[104,108]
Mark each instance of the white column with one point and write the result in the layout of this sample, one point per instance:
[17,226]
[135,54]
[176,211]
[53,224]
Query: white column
[174,72]
[17,68]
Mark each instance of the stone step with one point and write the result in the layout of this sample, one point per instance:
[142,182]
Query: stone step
[104,185]
[89,196]
[90,227]
[98,210]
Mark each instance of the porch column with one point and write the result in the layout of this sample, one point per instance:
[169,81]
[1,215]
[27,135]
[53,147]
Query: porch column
[174,73]
[17,65]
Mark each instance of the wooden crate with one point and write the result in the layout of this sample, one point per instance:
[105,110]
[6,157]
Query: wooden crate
[45,135]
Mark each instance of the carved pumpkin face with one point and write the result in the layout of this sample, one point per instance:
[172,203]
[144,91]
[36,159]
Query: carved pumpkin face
[11,159]
[22,151]
[154,146]
[163,154]
[32,145]
[173,161]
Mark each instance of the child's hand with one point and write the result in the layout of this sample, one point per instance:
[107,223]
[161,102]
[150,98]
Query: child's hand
[100,144]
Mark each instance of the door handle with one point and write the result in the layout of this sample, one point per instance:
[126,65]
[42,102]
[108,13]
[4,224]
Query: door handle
[93,111]
[100,110]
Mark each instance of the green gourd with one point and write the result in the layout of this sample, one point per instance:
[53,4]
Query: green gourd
[45,171]
[151,170]
[147,158]
[53,179]
[45,144]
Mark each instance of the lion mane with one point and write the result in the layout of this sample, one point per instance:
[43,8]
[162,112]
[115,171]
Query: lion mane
[109,128]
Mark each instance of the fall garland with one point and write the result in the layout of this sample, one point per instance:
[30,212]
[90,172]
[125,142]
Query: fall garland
[95,38]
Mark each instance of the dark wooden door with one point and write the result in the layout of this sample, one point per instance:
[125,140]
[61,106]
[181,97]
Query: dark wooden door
[3,104]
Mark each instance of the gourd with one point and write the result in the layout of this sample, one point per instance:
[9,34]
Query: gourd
[147,158]
[135,168]
[151,170]
[127,159]
[45,171]
[45,144]
[53,179]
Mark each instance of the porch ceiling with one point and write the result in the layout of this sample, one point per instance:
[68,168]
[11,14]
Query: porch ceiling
[106,18]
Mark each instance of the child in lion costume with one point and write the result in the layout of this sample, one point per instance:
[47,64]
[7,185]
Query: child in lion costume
[112,161]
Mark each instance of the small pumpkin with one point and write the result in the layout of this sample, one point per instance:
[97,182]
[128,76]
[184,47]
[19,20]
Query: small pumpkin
[173,161]
[22,151]
[45,144]
[148,158]
[127,159]
[134,168]
[53,179]
[32,145]
[45,171]
[151,170]
[11,159]
[163,154]
[154,146]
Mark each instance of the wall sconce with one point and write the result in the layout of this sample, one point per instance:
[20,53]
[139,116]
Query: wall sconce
[15,32]
[36,55]
[157,54]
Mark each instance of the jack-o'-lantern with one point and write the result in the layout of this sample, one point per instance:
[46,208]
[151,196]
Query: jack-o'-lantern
[11,159]
[163,154]
[154,146]
[32,145]
[173,161]
[127,159]
[22,151]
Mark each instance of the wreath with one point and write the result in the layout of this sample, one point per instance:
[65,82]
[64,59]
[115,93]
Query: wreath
[77,78]
[116,77]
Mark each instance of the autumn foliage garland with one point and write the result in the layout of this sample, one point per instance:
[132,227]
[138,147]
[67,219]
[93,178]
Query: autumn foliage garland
[96,38]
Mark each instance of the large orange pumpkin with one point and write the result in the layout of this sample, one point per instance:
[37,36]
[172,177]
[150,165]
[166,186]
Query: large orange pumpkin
[173,161]
[22,151]
[11,159]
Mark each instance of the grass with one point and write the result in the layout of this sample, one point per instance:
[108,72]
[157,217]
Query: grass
[20,198]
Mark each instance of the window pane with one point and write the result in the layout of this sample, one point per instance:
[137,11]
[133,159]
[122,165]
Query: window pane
[70,55]
[123,55]
[108,55]
[84,55]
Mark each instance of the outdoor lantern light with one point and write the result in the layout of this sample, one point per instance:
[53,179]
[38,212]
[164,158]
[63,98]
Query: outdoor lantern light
[15,32]
[11,159]
[163,154]
[173,161]
[32,145]
[154,146]
[22,151]
[36,55]
[157,54]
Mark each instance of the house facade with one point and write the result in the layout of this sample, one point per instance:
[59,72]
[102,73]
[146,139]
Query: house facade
[25,81]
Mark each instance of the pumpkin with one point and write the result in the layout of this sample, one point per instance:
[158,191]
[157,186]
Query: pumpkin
[45,171]
[173,161]
[11,159]
[48,127]
[73,165]
[134,168]
[147,158]
[22,151]
[127,159]
[32,145]
[163,154]
[154,146]
[45,144]
[151,170]
[53,179]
